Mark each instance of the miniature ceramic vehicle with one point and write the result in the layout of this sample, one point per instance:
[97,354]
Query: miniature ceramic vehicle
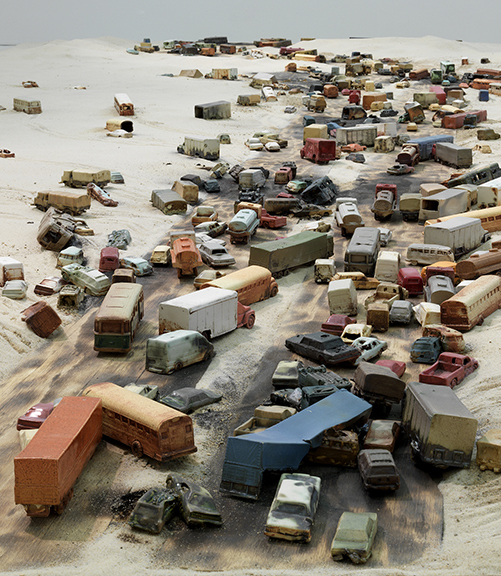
[293,508]
[426,350]
[401,312]
[489,451]
[296,186]
[201,238]
[378,471]
[70,255]
[322,347]
[359,279]
[35,416]
[207,276]
[90,280]
[264,417]
[385,235]
[369,348]
[15,289]
[204,214]
[153,510]
[450,340]
[123,275]
[188,399]
[197,505]
[398,169]
[161,255]
[212,186]
[145,390]
[176,350]
[338,448]
[272,146]
[311,211]
[140,266]
[93,190]
[354,331]
[382,434]
[396,366]
[286,374]
[4,153]
[48,286]
[213,254]
[70,296]
[212,228]
[449,370]
[354,536]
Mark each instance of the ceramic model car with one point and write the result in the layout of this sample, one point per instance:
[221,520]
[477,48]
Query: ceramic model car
[35,416]
[322,347]
[197,505]
[354,331]
[398,169]
[293,508]
[296,186]
[311,211]
[211,228]
[123,275]
[204,214]
[48,286]
[377,469]
[201,238]
[188,399]
[213,254]
[90,280]
[401,312]
[69,256]
[382,434]
[146,390]
[140,266]
[360,280]
[385,235]
[354,536]
[15,289]
[396,366]
[369,348]
[212,186]
[286,374]
[207,276]
[426,350]
[153,510]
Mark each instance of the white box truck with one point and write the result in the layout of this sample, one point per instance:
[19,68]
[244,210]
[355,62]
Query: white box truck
[461,234]
[441,429]
[10,269]
[212,312]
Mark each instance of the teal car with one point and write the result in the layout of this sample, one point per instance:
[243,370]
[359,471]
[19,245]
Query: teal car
[354,536]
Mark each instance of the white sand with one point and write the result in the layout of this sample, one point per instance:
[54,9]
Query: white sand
[70,134]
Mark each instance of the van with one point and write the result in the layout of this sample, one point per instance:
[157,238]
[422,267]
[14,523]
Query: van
[377,469]
[123,105]
[426,350]
[175,350]
[427,313]
[362,251]
[411,280]
[428,253]
[68,201]
[109,259]
[69,256]
[342,297]
[387,266]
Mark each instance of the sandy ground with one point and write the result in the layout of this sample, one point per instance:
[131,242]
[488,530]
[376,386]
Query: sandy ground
[70,134]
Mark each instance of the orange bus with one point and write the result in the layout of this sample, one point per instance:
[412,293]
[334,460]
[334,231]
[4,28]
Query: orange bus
[148,427]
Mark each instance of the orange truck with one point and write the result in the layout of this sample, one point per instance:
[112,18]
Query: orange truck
[47,469]
[184,252]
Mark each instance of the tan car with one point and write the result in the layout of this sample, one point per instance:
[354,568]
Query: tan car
[359,279]
[354,331]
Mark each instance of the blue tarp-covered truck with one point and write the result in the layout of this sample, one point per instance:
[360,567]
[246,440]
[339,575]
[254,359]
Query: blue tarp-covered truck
[284,445]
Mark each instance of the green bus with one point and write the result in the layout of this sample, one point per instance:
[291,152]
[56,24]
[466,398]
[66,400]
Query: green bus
[118,317]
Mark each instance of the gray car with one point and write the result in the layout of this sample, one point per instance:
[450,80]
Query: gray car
[214,254]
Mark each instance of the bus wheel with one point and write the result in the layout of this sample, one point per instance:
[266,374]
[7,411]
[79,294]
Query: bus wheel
[178,365]
[137,449]
[480,320]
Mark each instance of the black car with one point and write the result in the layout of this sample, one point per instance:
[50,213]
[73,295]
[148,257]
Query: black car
[197,505]
[188,399]
[322,347]
[212,185]
[154,510]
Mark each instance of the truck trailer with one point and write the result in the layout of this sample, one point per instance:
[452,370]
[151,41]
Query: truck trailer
[212,312]
[441,429]
[47,469]
[280,256]
[461,234]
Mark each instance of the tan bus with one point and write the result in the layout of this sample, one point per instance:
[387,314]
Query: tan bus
[123,105]
[471,305]
[148,427]
[252,284]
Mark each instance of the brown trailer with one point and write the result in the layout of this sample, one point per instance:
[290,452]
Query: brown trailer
[47,469]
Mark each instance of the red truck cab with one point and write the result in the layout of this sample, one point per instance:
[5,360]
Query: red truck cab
[449,370]
[410,279]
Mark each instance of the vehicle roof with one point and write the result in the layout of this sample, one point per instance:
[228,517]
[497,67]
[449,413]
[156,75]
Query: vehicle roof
[200,299]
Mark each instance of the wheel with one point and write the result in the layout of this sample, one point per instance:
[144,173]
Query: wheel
[454,382]
[480,321]
[250,321]
[274,291]
[206,334]
[179,273]
[137,449]
[178,366]
[207,355]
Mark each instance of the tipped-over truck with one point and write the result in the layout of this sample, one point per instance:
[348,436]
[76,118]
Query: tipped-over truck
[441,429]
[212,312]
[449,370]
[47,469]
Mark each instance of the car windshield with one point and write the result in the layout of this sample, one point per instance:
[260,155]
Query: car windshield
[291,508]
[352,535]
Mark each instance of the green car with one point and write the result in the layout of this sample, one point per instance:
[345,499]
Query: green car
[197,505]
[354,536]
[153,510]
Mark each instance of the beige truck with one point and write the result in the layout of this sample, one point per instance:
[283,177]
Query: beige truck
[79,179]
[67,201]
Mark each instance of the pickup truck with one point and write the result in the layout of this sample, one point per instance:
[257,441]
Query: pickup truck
[387,292]
[449,370]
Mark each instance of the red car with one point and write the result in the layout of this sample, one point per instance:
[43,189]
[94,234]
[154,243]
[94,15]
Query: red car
[35,416]
[336,323]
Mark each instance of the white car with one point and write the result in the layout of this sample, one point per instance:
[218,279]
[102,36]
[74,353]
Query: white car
[293,508]
[369,348]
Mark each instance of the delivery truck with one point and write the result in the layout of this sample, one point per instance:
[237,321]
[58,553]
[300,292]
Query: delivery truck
[426,144]
[440,427]
[461,234]
[47,469]
[212,312]
[280,256]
